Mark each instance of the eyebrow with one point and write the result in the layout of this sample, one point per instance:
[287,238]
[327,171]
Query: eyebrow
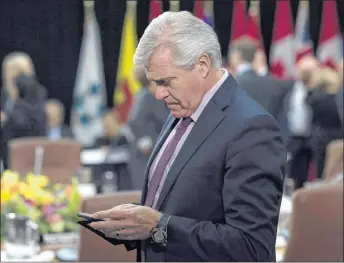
[160,81]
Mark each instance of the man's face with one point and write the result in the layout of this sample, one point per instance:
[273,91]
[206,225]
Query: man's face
[305,67]
[235,59]
[259,62]
[181,89]
[111,125]
[53,114]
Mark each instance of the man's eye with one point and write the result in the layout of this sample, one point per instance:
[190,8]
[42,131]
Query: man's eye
[164,83]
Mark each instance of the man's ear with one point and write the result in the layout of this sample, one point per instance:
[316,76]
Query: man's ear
[204,65]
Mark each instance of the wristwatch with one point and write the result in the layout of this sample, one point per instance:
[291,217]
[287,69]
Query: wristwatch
[159,233]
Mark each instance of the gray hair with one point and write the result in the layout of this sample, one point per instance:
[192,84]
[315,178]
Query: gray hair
[187,36]
[140,74]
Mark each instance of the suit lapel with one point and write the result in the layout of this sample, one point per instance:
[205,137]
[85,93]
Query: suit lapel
[170,123]
[210,118]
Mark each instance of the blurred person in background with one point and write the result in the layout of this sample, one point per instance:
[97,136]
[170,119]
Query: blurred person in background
[55,113]
[296,119]
[325,123]
[259,63]
[339,96]
[259,85]
[22,100]
[146,120]
[112,137]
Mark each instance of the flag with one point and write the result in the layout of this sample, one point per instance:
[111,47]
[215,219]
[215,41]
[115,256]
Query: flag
[282,47]
[302,40]
[253,27]
[126,84]
[330,42]
[155,9]
[202,10]
[239,21]
[89,98]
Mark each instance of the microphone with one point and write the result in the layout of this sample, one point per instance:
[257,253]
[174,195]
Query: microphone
[38,165]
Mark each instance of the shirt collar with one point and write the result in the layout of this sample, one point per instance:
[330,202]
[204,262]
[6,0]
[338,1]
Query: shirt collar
[207,97]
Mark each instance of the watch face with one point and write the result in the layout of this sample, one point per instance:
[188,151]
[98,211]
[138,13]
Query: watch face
[159,235]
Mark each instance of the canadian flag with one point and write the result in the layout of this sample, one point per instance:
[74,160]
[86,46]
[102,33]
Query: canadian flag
[239,20]
[253,28]
[282,47]
[330,42]
[201,10]
[155,9]
[302,40]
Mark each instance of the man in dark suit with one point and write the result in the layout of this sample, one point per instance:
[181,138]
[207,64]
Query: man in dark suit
[339,102]
[147,117]
[56,129]
[340,94]
[214,181]
[295,120]
[261,86]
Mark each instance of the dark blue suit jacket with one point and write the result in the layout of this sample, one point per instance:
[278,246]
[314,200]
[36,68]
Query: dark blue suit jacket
[225,186]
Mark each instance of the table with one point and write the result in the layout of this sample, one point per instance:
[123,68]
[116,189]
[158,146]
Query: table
[100,161]
[49,247]
[47,253]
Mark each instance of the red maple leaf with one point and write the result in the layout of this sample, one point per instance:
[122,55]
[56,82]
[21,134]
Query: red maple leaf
[278,69]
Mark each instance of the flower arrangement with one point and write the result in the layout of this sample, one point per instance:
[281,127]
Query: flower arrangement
[52,206]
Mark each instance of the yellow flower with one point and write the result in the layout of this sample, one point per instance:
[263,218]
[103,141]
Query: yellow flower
[29,194]
[9,179]
[44,197]
[37,180]
[22,188]
[5,196]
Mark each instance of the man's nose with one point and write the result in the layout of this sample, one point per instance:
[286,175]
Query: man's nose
[160,93]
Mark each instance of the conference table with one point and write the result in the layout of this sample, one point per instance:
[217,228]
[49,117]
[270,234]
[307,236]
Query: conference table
[102,163]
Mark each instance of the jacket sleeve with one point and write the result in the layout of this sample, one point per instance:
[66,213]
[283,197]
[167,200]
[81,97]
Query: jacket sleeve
[251,194]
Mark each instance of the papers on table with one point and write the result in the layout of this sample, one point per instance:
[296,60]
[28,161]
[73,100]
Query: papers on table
[87,190]
[100,156]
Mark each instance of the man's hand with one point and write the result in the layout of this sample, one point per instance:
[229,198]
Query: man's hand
[127,222]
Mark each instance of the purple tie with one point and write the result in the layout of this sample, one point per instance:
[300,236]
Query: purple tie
[164,159]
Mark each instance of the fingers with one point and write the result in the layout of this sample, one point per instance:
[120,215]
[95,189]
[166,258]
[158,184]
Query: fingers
[114,214]
[117,212]
[102,214]
[114,224]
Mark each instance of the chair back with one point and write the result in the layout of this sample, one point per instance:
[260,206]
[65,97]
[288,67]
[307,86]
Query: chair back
[94,248]
[316,232]
[61,159]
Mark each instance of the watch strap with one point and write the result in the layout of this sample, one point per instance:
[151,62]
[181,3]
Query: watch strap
[163,222]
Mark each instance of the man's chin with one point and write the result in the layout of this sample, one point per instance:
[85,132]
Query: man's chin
[177,113]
